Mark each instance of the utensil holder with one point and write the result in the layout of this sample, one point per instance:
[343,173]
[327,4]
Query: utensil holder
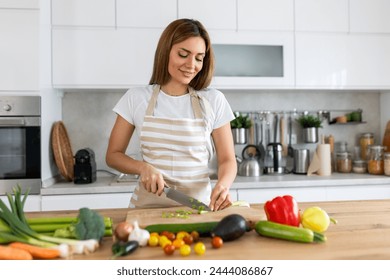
[310,135]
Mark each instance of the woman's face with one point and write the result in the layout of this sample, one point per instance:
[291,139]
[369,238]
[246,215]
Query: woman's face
[186,60]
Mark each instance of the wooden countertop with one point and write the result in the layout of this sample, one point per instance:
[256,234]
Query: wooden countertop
[362,232]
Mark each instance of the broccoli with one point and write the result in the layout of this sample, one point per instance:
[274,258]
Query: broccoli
[90,225]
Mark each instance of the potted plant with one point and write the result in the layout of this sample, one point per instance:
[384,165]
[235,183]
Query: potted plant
[310,125]
[240,126]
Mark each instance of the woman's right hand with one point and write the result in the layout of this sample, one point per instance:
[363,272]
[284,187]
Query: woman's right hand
[152,179]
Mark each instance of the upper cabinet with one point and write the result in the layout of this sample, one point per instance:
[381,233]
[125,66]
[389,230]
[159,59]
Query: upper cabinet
[19,4]
[321,15]
[83,12]
[370,16]
[19,48]
[316,44]
[145,13]
[265,15]
[214,14]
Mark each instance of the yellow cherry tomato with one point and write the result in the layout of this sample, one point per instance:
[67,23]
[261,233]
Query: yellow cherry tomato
[185,250]
[199,248]
[178,243]
[181,234]
[153,241]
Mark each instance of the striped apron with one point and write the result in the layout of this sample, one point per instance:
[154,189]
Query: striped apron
[178,149]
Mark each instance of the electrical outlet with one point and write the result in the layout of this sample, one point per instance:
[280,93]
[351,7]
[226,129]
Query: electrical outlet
[293,139]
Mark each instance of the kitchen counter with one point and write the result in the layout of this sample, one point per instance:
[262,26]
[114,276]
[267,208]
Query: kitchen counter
[362,232]
[107,184]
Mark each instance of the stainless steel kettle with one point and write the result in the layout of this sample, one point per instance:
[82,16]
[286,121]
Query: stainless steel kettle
[249,165]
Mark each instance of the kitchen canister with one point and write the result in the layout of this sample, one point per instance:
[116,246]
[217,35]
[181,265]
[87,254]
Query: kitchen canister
[301,161]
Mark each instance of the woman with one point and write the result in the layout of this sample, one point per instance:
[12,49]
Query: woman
[175,117]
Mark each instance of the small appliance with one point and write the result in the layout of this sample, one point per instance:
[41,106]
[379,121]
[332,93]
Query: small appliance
[84,167]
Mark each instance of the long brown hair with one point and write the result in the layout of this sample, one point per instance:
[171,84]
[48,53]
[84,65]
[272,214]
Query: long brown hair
[176,32]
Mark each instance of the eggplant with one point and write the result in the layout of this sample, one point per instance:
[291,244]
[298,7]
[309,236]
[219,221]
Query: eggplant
[231,227]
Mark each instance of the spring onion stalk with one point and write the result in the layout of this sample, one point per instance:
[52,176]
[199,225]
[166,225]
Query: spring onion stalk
[15,219]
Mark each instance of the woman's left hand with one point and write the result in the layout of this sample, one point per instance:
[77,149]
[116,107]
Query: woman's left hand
[220,198]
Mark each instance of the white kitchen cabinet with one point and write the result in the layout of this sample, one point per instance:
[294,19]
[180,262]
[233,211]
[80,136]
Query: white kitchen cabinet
[369,16]
[264,15]
[83,12]
[322,15]
[342,61]
[103,58]
[358,192]
[285,40]
[32,204]
[19,49]
[302,194]
[213,14]
[93,201]
[146,13]
[19,4]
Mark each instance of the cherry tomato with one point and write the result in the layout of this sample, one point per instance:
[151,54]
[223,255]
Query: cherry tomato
[195,235]
[199,248]
[188,239]
[170,235]
[182,234]
[164,241]
[153,240]
[217,242]
[169,249]
[178,243]
[185,250]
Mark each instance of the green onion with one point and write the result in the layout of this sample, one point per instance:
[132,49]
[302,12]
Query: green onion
[14,218]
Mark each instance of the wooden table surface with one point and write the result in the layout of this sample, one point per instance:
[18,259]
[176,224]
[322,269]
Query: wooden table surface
[362,232]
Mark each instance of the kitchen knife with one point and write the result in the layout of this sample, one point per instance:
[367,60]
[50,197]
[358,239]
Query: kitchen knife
[185,199]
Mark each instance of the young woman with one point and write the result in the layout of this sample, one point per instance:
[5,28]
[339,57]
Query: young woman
[180,123]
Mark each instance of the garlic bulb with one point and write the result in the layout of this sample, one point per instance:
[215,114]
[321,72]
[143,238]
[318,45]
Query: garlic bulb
[139,234]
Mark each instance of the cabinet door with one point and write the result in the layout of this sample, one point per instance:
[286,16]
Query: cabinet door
[282,40]
[276,15]
[146,13]
[19,49]
[19,4]
[213,14]
[321,15]
[300,194]
[93,201]
[83,12]
[103,58]
[342,61]
[371,16]
[33,203]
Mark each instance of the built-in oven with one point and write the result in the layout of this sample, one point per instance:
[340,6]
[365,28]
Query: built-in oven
[20,143]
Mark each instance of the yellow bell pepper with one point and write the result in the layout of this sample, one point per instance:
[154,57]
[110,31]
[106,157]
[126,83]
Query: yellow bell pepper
[316,219]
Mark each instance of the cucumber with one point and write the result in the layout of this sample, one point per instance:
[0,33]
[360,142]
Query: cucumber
[286,232]
[202,228]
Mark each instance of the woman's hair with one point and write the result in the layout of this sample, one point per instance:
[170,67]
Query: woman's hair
[176,32]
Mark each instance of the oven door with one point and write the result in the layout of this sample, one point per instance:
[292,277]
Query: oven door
[20,154]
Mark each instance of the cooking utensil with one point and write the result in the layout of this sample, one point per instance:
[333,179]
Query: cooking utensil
[386,137]
[185,199]
[62,150]
[281,132]
[261,144]
[276,123]
[290,149]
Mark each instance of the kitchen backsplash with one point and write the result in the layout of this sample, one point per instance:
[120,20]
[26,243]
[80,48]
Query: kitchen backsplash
[88,115]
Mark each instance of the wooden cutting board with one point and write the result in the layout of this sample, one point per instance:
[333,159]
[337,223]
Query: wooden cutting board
[147,217]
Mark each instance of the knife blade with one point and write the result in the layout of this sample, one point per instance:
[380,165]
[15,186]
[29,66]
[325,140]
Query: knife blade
[185,199]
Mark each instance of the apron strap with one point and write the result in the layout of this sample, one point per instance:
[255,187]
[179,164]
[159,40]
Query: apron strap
[195,101]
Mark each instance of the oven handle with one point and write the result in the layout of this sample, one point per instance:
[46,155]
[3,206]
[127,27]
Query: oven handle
[20,121]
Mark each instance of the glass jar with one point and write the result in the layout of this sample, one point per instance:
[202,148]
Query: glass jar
[375,163]
[387,164]
[359,166]
[343,162]
[366,139]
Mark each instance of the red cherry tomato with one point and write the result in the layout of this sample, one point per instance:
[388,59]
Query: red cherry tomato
[217,242]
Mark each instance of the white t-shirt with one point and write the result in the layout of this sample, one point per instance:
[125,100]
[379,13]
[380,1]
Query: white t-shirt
[133,104]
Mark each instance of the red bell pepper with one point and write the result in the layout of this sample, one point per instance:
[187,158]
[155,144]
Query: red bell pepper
[283,210]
